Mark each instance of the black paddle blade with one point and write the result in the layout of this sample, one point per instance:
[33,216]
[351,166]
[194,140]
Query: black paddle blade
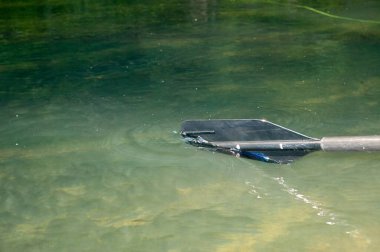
[239,130]
[208,133]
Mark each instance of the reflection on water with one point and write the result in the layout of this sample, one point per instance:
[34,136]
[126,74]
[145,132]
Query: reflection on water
[92,96]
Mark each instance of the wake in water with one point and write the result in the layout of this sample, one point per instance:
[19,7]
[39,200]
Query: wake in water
[330,218]
[314,204]
[321,211]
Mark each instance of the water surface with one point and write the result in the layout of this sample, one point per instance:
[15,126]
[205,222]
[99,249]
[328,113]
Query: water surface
[92,97]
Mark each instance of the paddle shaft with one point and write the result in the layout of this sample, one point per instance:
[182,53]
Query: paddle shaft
[358,143]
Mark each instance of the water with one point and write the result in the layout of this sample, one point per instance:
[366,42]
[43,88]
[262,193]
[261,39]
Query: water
[92,96]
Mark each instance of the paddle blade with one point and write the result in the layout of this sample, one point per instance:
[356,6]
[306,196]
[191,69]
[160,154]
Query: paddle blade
[239,130]
[207,133]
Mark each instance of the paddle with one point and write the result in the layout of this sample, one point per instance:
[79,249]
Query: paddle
[266,141]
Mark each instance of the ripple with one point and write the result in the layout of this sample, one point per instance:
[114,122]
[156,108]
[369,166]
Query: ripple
[330,218]
[151,142]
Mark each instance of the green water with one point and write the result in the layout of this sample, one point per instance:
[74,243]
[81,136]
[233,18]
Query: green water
[92,96]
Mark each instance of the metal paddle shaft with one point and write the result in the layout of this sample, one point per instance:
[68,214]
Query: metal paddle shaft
[266,141]
[355,143]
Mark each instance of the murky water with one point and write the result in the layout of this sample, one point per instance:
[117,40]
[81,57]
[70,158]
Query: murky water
[92,97]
